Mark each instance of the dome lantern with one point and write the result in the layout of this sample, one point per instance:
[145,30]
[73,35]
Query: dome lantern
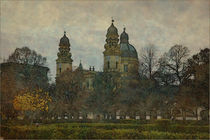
[124,37]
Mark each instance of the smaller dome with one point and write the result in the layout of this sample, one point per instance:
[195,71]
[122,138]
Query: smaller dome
[64,41]
[112,30]
[127,50]
[124,37]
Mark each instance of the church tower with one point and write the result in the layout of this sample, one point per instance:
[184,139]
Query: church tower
[112,50]
[64,61]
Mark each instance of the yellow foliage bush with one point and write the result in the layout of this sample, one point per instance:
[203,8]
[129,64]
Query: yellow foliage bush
[32,101]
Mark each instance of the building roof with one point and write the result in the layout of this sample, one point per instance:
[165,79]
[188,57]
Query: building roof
[13,64]
[80,66]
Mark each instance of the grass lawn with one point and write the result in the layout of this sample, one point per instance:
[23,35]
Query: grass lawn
[154,130]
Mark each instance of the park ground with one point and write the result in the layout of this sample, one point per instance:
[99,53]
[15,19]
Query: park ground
[159,129]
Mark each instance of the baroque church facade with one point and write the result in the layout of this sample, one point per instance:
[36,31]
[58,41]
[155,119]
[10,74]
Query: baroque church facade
[120,62]
[120,57]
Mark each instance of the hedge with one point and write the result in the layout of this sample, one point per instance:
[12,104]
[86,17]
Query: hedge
[105,131]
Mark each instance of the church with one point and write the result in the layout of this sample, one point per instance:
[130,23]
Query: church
[120,58]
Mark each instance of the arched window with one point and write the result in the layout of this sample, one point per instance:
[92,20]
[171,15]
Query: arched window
[125,68]
[116,65]
[108,64]
[59,67]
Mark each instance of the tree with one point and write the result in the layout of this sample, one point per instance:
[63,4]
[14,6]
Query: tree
[128,100]
[194,91]
[148,61]
[174,63]
[26,56]
[29,68]
[68,88]
[31,102]
[101,100]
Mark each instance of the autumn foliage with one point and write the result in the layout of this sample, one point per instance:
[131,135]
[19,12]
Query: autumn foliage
[36,100]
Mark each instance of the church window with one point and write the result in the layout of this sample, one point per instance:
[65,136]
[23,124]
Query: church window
[108,57]
[117,58]
[116,65]
[125,68]
[90,85]
[59,67]
[108,64]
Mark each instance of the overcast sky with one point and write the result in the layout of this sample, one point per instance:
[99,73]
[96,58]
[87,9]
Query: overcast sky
[40,25]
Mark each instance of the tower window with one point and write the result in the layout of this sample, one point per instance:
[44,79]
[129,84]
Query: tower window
[117,58]
[108,57]
[116,65]
[108,64]
[59,67]
[125,68]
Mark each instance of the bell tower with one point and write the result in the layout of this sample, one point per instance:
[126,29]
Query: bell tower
[64,61]
[112,50]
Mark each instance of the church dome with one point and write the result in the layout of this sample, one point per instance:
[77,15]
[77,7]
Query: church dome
[126,49]
[64,41]
[124,37]
[112,30]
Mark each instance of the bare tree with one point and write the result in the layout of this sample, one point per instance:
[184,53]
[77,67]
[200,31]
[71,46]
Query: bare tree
[175,62]
[148,61]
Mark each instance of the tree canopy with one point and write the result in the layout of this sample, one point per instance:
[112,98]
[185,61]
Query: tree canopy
[25,55]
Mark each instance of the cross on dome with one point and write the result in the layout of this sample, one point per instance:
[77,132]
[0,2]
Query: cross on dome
[112,20]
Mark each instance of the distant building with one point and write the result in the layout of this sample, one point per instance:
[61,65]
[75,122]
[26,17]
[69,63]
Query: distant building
[31,76]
